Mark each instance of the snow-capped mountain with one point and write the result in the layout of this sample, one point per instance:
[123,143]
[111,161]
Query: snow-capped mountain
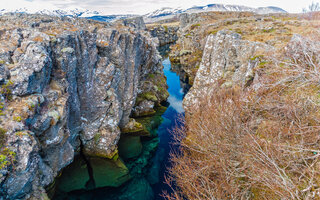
[76,12]
[46,8]
[165,13]
[160,14]
[235,8]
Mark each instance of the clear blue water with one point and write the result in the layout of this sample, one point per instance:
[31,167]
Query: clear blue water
[170,119]
[149,169]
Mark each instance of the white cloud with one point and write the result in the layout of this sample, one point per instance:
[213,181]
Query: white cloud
[176,104]
[145,6]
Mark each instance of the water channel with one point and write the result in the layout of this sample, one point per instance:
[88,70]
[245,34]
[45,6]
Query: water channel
[148,170]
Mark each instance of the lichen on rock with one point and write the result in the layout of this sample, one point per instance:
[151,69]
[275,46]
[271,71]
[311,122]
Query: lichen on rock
[74,86]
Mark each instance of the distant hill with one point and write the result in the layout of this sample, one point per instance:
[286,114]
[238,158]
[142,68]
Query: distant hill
[49,9]
[159,14]
[166,13]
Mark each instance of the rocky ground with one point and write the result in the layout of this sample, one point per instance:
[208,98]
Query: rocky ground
[252,112]
[70,86]
[274,30]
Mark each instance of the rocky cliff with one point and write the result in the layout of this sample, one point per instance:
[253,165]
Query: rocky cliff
[68,87]
[253,103]
[274,30]
[165,34]
[226,59]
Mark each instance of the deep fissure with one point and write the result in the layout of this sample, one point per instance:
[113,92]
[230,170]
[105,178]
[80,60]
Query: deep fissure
[151,174]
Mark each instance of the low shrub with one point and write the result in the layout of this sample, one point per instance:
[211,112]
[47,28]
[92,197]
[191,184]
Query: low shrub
[255,143]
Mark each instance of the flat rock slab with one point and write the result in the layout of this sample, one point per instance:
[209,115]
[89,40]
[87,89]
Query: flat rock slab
[108,172]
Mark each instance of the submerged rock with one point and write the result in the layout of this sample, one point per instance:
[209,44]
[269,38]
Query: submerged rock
[71,84]
[137,189]
[77,177]
[129,146]
[108,172]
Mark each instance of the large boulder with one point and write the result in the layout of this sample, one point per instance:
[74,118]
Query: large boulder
[228,58]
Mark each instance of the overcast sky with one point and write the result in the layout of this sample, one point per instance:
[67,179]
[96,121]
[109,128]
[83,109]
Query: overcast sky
[145,6]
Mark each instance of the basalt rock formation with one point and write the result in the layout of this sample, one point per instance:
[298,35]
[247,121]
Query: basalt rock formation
[69,86]
[194,29]
[165,34]
[226,57]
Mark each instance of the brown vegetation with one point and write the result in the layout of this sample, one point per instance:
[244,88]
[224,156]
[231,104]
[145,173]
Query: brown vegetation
[259,142]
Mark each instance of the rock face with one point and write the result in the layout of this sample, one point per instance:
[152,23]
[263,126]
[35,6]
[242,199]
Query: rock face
[165,34]
[227,58]
[73,85]
[136,22]
[195,28]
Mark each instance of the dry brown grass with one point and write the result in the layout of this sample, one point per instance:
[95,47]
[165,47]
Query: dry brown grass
[259,142]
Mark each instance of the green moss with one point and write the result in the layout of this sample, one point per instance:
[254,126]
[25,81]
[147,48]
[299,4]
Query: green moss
[161,90]
[21,134]
[263,63]
[213,32]
[239,31]
[195,26]
[166,28]
[257,57]
[103,155]
[2,62]
[3,161]
[7,157]
[17,118]
[281,64]
[147,113]
[270,30]
[149,96]
[3,137]
[115,157]
[6,90]
[97,137]
[138,129]
[152,122]
[151,76]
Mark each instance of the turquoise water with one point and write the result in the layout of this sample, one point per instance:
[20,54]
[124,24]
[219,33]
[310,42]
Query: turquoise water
[174,111]
[147,171]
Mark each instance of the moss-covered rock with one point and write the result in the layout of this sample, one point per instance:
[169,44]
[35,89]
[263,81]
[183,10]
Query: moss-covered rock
[134,128]
[152,122]
[148,96]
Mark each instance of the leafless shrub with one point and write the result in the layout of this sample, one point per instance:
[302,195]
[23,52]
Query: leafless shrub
[256,143]
[312,12]
[313,7]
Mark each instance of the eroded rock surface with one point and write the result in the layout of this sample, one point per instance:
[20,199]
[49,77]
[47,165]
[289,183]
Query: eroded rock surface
[73,85]
[165,34]
[227,58]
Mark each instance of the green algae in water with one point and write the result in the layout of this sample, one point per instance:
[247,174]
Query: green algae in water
[77,176]
[135,189]
[129,146]
[139,165]
[109,172]
[152,123]
[138,189]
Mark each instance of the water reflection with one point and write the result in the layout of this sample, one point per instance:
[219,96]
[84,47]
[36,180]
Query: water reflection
[147,171]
